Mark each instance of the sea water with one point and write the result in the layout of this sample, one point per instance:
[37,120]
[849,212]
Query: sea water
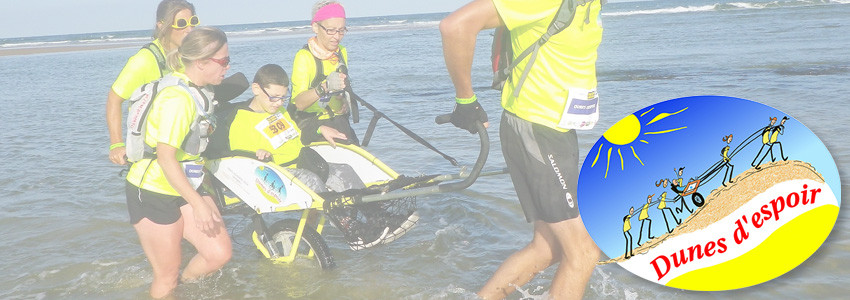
[64,224]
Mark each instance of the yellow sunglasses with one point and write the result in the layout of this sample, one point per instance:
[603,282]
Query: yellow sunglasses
[180,23]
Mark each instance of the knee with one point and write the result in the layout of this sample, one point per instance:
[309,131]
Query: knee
[218,257]
[544,250]
[587,256]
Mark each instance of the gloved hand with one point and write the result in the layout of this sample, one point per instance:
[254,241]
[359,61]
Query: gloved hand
[465,115]
[336,82]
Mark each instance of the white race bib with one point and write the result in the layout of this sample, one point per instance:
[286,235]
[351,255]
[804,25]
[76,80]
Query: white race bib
[276,129]
[581,111]
[194,171]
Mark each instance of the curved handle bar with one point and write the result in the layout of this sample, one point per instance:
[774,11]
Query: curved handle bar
[446,187]
[483,152]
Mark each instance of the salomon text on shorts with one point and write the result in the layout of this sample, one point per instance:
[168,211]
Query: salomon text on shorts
[543,164]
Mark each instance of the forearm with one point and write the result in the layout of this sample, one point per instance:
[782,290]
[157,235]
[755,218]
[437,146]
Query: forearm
[307,98]
[458,50]
[113,117]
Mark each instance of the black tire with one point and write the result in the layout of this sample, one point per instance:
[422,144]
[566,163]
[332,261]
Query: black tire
[282,234]
[698,199]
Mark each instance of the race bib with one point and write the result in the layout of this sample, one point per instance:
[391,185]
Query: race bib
[581,111]
[194,171]
[277,130]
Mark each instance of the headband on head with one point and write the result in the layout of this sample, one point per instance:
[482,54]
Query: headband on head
[333,10]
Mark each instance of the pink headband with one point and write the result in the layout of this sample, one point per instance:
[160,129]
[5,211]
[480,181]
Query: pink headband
[333,10]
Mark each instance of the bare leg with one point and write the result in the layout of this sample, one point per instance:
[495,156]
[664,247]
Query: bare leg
[579,257]
[213,250]
[161,244]
[521,266]
[552,243]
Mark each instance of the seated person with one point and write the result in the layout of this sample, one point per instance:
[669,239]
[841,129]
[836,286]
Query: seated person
[261,128]
[319,72]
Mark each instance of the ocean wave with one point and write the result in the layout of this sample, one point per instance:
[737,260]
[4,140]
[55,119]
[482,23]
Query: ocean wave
[269,30]
[72,42]
[672,10]
[726,6]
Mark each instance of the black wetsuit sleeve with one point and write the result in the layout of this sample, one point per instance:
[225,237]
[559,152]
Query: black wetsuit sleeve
[219,145]
[309,130]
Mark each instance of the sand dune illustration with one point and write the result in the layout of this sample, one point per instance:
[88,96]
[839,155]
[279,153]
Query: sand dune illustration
[724,200]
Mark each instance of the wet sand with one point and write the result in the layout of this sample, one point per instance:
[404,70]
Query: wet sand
[65,48]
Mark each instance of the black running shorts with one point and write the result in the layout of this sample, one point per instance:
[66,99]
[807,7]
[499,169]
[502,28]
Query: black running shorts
[543,164]
[159,208]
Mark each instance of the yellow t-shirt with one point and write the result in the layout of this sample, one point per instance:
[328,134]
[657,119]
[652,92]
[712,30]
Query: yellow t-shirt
[644,212]
[141,68]
[171,116]
[567,60]
[304,70]
[276,133]
[627,225]
[663,203]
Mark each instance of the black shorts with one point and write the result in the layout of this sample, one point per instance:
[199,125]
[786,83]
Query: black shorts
[543,164]
[159,208]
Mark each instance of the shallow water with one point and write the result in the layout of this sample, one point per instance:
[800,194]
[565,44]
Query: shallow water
[64,221]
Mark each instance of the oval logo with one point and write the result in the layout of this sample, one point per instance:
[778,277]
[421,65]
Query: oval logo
[709,193]
[270,184]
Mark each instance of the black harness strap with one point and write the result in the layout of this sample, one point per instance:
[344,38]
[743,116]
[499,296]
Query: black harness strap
[160,60]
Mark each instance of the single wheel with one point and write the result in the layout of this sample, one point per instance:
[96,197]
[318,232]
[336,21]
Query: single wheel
[698,199]
[282,236]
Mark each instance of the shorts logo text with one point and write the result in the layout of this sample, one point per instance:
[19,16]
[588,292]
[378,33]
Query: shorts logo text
[561,179]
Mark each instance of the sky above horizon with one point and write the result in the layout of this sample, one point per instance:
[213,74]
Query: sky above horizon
[56,17]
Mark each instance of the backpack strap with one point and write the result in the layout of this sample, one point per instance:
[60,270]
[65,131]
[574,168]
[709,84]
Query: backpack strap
[563,18]
[157,53]
[204,108]
[320,71]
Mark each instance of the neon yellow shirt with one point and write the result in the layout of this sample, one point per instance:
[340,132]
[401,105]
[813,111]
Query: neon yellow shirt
[765,136]
[251,131]
[304,70]
[567,60]
[663,203]
[141,68]
[644,212]
[169,121]
[775,134]
[627,225]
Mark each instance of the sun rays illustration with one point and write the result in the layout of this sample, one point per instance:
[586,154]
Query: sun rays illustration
[627,131]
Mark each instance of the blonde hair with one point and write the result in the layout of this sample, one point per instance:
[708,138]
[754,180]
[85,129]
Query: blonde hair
[200,43]
[166,12]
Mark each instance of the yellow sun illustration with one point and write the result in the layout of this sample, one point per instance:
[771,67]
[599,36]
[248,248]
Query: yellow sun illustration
[625,132]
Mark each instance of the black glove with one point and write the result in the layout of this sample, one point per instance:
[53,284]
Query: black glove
[465,116]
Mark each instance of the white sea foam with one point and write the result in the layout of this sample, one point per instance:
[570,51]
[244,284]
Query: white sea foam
[673,10]
[725,6]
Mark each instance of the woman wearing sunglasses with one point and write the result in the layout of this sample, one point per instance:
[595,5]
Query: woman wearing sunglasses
[318,83]
[261,127]
[174,19]
[163,197]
